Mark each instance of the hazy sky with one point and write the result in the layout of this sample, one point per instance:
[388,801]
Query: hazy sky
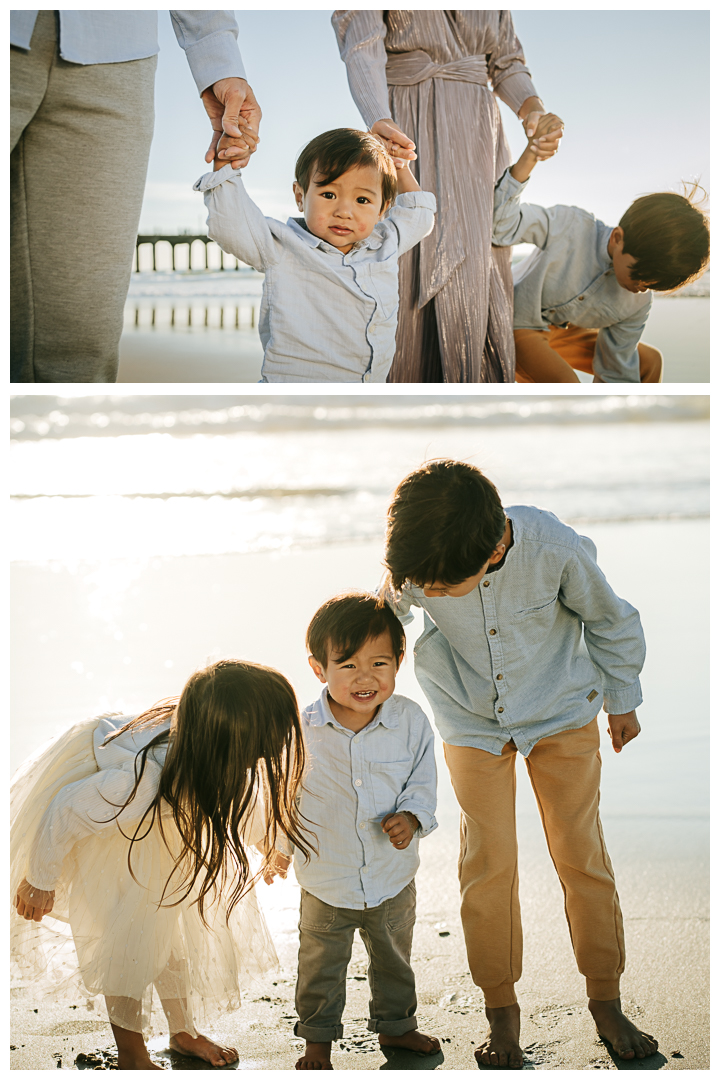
[631,86]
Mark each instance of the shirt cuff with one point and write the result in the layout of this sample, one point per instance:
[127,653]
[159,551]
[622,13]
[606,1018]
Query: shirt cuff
[508,182]
[427,821]
[514,89]
[413,199]
[622,700]
[213,58]
[211,180]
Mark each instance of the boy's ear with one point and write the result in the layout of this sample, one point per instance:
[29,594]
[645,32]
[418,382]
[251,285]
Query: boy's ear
[384,210]
[299,195]
[399,661]
[317,668]
[497,554]
[617,239]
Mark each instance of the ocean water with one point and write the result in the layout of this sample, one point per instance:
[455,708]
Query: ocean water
[99,477]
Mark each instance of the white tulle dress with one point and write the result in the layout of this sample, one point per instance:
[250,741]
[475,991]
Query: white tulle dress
[107,933]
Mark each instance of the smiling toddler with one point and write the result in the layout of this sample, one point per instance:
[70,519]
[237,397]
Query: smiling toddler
[330,298]
[370,793]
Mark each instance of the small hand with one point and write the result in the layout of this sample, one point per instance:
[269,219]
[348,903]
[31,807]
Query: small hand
[226,102]
[544,132]
[276,864]
[400,828]
[229,147]
[33,903]
[399,147]
[623,727]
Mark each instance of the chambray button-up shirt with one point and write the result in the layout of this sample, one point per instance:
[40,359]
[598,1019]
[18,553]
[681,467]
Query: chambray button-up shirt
[354,780]
[209,39]
[324,316]
[570,278]
[534,649]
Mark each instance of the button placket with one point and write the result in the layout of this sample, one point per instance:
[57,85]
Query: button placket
[487,596]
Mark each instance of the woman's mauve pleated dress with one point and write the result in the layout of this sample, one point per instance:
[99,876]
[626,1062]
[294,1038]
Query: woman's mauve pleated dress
[433,73]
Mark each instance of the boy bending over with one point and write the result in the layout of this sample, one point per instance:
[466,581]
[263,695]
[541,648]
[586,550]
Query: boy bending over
[370,795]
[330,299]
[508,596]
[582,299]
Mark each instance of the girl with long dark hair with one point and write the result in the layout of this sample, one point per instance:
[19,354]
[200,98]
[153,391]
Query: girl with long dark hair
[130,836]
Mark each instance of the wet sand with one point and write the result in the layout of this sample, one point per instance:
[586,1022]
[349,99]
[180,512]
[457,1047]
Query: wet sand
[654,800]
[679,327]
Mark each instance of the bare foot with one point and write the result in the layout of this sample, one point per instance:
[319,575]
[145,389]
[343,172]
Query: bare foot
[203,1048]
[501,1047]
[412,1040]
[316,1056]
[612,1025]
[131,1061]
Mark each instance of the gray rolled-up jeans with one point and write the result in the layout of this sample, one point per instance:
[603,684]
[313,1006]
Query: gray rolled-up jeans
[326,937]
[79,148]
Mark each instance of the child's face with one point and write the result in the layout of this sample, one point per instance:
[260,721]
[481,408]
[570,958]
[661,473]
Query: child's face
[360,684]
[345,211]
[623,264]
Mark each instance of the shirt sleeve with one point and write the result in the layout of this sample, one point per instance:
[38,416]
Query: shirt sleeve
[612,628]
[361,40]
[515,222]
[616,350]
[419,796]
[234,221]
[413,217]
[85,808]
[506,66]
[209,39]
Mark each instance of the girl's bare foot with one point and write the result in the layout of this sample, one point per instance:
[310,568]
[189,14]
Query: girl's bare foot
[203,1048]
[132,1051]
[316,1056]
[612,1025]
[412,1040]
[501,1047]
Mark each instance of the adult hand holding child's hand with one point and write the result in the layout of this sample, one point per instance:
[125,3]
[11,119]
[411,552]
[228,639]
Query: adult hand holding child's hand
[229,145]
[277,865]
[33,903]
[622,728]
[399,147]
[544,132]
[234,111]
[400,828]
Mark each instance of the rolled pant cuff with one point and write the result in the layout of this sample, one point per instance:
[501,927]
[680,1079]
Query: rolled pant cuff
[497,997]
[603,989]
[318,1034]
[393,1027]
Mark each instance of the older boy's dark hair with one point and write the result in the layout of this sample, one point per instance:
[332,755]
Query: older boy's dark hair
[669,237]
[444,523]
[334,152]
[346,622]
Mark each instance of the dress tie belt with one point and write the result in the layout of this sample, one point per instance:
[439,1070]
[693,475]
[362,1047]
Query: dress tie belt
[411,68]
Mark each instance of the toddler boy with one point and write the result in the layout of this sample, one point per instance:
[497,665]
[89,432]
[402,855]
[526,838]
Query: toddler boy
[582,299]
[508,596]
[370,795]
[330,298]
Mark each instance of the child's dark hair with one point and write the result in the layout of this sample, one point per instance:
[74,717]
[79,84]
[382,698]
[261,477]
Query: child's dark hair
[237,742]
[346,622]
[444,523]
[334,152]
[669,237]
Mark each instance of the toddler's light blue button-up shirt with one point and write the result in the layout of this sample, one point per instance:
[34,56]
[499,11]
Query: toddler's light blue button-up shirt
[209,39]
[354,779]
[324,316]
[570,278]
[534,649]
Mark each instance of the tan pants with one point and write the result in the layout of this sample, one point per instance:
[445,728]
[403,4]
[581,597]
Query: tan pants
[543,356]
[79,140]
[564,771]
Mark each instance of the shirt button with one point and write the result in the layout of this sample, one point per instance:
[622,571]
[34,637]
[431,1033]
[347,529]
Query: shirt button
[581,297]
[358,783]
[551,311]
[493,633]
[501,709]
[498,676]
[362,824]
[485,584]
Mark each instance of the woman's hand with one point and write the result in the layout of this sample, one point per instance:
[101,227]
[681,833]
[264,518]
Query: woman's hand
[531,113]
[399,147]
[276,864]
[32,903]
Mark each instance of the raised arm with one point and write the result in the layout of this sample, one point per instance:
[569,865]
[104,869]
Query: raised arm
[234,221]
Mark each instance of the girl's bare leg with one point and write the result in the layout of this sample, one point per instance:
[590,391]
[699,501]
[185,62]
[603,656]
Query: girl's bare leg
[194,1046]
[132,1051]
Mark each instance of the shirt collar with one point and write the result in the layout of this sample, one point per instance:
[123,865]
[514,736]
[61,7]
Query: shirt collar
[321,714]
[299,226]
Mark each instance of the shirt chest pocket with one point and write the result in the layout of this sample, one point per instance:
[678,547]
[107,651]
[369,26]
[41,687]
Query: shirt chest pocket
[388,780]
[534,623]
